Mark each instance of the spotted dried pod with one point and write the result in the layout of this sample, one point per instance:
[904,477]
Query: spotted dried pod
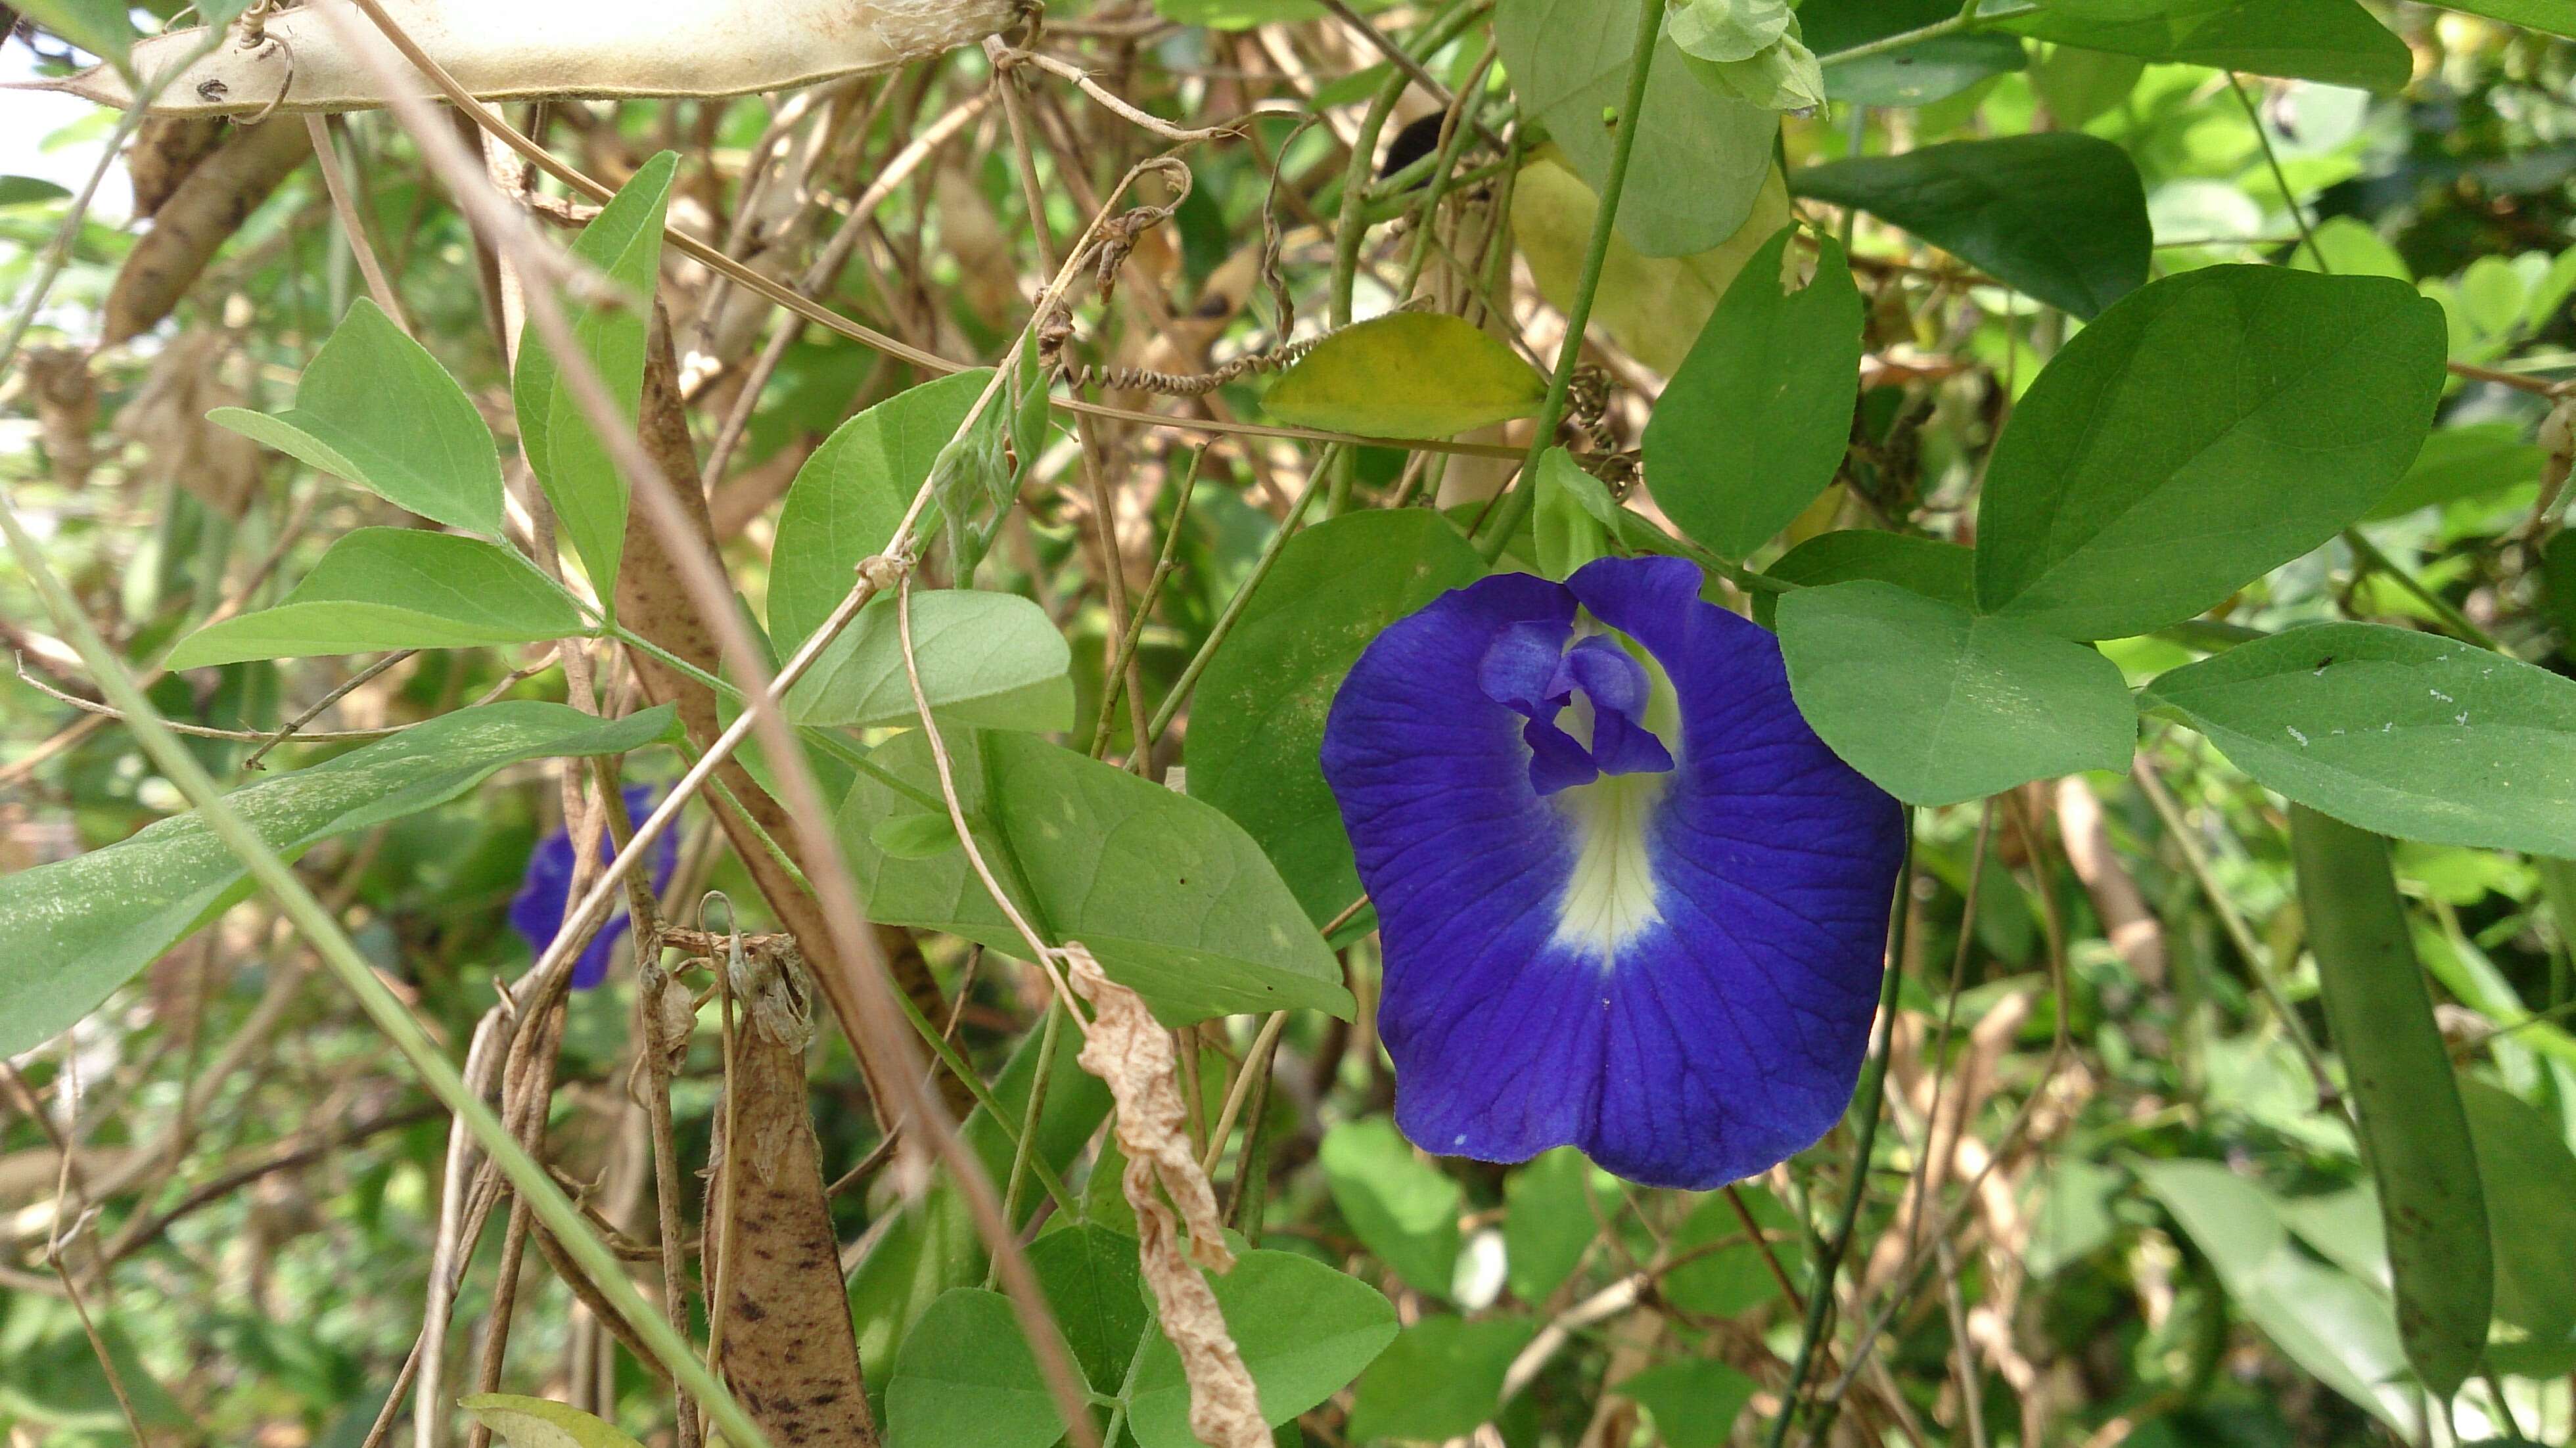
[194,223]
[165,149]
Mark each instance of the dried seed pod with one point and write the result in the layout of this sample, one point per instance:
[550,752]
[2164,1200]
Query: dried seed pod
[206,209]
[167,419]
[165,149]
[66,409]
[513,50]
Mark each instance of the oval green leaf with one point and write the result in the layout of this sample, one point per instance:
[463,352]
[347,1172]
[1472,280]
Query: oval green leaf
[2334,41]
[1174,898]
[1403,1208]
[1700,158]
[1926,566]
[394,588]
[2060,215]
[2206,430]
[851,494]
[1407,374]
[989,659]
[2403,1095]
[72,931]
[2529,1180]
[1441,1378]
[967,1379]
[624,241]
[1939,705]
[540,1423]
[1305,1330]
[375,408]
[2398,732]
[1756,422]
[1257,723]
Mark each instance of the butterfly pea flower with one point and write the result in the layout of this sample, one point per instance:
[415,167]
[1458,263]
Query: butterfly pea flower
[1628,900]
[537,911]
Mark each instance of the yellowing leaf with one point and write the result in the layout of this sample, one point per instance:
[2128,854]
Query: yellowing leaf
[537,1423]
[1409,374]
[1653,307]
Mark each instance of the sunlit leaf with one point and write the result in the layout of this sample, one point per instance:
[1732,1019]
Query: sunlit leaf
[1407,374]
[989,659]
[394,588]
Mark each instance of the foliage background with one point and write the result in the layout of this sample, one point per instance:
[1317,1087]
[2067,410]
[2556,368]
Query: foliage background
[2111,1201]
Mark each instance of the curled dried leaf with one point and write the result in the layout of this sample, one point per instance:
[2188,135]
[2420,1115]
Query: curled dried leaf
[1130,1051]
[66,409]
[201,215]
[165,149]
[168,420]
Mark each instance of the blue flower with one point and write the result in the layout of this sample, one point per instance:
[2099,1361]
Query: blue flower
[537,911]
[1631,904]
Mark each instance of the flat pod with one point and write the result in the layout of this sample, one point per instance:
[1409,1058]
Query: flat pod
[512,50]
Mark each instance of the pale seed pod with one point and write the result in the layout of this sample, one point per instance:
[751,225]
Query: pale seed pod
[200,216]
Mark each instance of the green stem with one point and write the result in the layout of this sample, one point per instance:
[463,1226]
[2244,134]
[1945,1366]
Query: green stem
[1967,19]
[983,1094]
[1024,1154]
[2280,178]
[2452,619]
[1578,317]
[1873,1089]
[529,1179]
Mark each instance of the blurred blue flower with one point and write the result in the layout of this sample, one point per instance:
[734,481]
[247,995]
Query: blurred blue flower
[537,911]
[1629,900]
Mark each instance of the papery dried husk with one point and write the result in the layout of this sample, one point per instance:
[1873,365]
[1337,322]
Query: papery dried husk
[200,216]
[531,49]
[1128,1049]
[164,151]
[66,400]
[167,420]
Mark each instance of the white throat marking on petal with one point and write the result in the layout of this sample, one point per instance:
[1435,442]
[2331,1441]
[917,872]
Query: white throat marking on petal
[1609,899]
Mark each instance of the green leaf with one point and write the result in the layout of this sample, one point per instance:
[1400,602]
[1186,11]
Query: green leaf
[2530,1184]
[2556,17]
[1926,72]
[1926,566]
[1695,1401]
[966,1379]
[394,588]
[1755,423]
[1912,75]
[1407,374]
[538,1423]
[1258,721]
[2060,215]
[72,931]
[989,659]
[932,1244]
[1654,307]
[1093,1285]
[1733,1280]
[2334,41]
[375,408]
[2334,1327]
[624,241]
[914,836]
[973,479]
[1548,1222]
[1575,517]
[1305,1330]
[2469,461]
[1173,897]
[1938,705]
[1781,76]
[2077,85]
[851,494]
[1403,1208]
[101,27]
[29,191]
[1568,61]
[1728,29]
[1441,1378]
[2207,429]
[2415,1135]
[2401,733]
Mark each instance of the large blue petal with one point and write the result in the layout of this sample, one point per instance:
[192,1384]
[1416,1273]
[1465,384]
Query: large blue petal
[1719,1037]
[537,911]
